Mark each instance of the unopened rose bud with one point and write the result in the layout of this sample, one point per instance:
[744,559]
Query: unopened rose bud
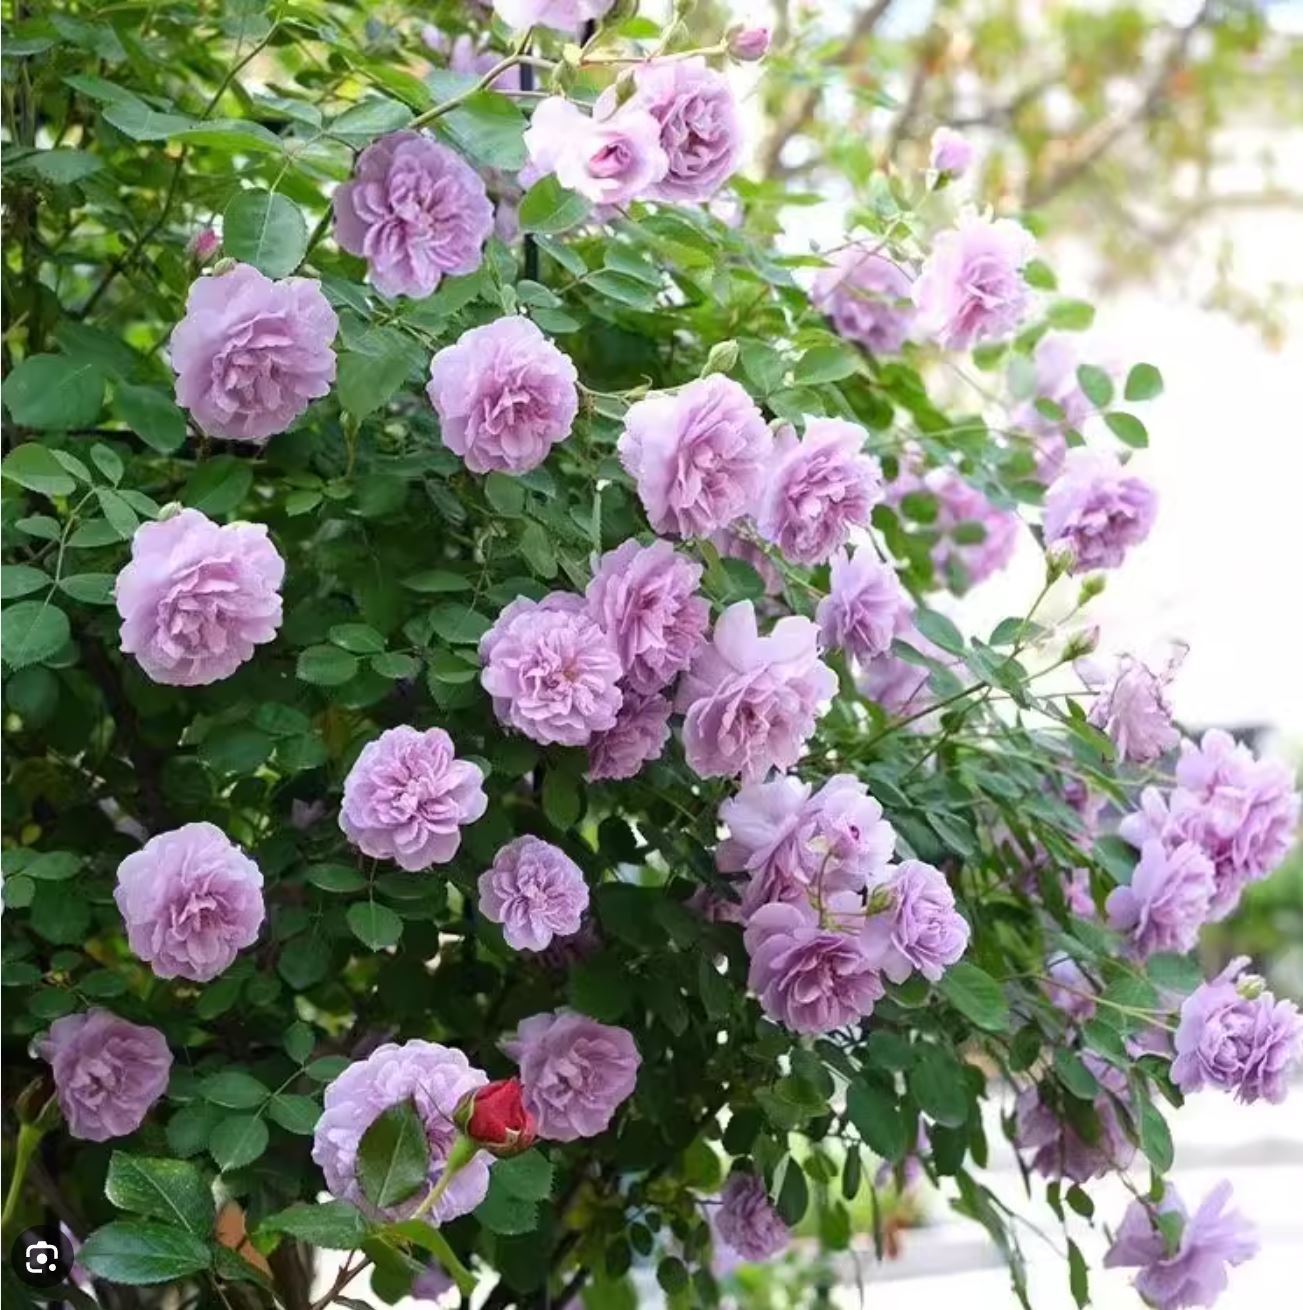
[1059,560]
[1081,643]
[494,1118]
[747,44]
[1251,986]
[1091,588]
[951,152]
[722,357]
[203,245]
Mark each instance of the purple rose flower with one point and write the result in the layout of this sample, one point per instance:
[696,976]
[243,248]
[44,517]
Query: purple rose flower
[918,928]
[191,900]
[645,599]
[609,161]
[107,1072]
[1054,378]
[867,296]
[747,44]
[639,734]
[1236,1037]
[699,456]
[866,607]
[197,597]
[576,1072]
[797,846]
[1097,510]
[535,891]
[1194,1273]
[552,672]
[971,288]
[560,15]
[435,1078]
[974,538]
[1134,712]
[1242,810]
[414,210]
[750,702]
[809,978]
[746,1222]
[1059,1150]
[505,395]
[1167,900]
[952,152]
[250,353]
[818,490]
[699,129]
[407,797]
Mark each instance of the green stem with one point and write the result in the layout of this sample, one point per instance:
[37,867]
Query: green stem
[29,1138]
[446,106]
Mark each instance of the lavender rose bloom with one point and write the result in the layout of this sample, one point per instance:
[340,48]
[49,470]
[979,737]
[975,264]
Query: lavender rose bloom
[505,395]
[1235,1036]
[575,1071]
[699,456]
[867,297]
[639,734]
[552,672]
[750,702]
[560,15]
[1242,810]
[971,288]
[191,900]
[951,151]
[414,210]
[645,599]
[1167,900]
[1059,1151]
[747,1222]
[919,928]
[107,1072]
[197,597]
[435,1078]
[1134,712]
[1097,510]
[250,353]
[819,489]
[609,161]
[865,608]
[407,797]
[535,891]
[809,978]
[1054,378]
[699,129]
[1195,1273]
[794,844]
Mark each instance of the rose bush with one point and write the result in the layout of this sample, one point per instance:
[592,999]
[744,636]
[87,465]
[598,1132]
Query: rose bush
[484,735]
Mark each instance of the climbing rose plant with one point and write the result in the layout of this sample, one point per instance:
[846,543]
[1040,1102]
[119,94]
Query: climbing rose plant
[493,793]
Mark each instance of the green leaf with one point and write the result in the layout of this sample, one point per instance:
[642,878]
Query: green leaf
[528,1176]
[490,129]
[1071,315]
[877,1118]
[672,1275]
[304,961]
[334,1225]
[504,1212]
[34,466]
[976,995]
[938,1084]
[1128,429]
[1096,384]
[152,415]
[825,364]
[234,1090]
[33,631]
[1144,382]
[335,877]
[171,1190]
[367,380]
[296,1114]
[359,638]
[939,629]
[459,624]
[21,580]
[325,666]
[599,987]
[1074,1075]
[549,208]
[562,799]
[1155,1136]
[138,1252]
[218,485]
[393,1159]
[90,588]
[375,925]
[793,1194]
[117,510]
[266,230]
[436,581]
[55,392]
[238,1141]
[62,166]
[1078,1274]
[137,120]
[368,119]
[624,289]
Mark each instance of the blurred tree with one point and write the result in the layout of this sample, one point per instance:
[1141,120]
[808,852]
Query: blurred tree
[1140,125]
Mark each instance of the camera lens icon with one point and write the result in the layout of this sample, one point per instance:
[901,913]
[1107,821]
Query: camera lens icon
[42,1256]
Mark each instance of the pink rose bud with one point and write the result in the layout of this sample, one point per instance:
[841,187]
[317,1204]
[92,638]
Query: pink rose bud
[748,44]
[203,245]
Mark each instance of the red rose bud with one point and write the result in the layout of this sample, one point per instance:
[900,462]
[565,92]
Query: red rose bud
[494,1118]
